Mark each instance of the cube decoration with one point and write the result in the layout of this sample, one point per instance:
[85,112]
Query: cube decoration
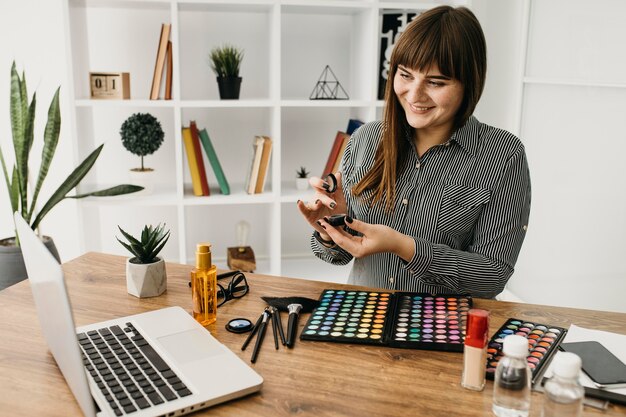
[114,85]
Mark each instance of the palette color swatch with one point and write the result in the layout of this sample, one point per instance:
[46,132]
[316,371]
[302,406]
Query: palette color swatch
[404,319]
[543,342]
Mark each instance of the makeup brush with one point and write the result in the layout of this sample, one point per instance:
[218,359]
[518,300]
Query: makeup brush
[295,306]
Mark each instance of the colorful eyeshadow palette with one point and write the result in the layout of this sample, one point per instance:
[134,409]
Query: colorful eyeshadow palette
[543,341]
[402,319]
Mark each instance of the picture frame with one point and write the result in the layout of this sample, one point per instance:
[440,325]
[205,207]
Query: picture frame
[392,24]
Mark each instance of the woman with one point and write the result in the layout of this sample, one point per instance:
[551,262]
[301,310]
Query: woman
[435,200]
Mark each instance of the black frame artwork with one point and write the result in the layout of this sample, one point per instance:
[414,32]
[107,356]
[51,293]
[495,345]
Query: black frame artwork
[392,24]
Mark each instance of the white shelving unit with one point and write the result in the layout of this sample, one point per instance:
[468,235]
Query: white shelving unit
[287,44]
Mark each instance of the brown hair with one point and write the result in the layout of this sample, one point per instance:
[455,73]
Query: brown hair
[451,38]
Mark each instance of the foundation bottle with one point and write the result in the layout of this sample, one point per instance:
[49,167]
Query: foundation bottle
[475,350]
[204,286]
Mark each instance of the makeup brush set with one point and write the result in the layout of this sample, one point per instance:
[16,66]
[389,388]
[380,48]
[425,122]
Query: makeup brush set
[293,306]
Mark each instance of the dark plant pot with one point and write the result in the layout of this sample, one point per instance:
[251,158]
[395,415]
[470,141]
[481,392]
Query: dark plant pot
[229,87]
[12,268]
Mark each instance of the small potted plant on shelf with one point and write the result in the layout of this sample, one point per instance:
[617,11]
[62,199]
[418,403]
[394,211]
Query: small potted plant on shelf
[21,198]
[145,271]
[302,179]
[142,135]
[225,61]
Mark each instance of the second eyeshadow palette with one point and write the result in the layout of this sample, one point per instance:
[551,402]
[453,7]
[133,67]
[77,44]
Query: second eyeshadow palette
[402,319]
[543,341]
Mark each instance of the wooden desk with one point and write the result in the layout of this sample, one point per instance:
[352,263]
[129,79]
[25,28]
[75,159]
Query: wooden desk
[313,379]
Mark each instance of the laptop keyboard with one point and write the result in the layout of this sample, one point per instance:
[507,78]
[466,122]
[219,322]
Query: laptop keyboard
[128,371]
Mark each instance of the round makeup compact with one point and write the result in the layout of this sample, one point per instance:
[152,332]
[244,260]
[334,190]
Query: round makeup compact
[239,326]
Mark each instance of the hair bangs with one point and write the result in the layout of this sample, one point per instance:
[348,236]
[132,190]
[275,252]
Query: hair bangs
[427,46]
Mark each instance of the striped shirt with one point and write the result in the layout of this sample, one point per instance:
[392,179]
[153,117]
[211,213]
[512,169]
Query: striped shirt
[465,203]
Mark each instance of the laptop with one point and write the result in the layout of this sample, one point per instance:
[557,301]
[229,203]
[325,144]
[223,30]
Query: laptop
[159,363]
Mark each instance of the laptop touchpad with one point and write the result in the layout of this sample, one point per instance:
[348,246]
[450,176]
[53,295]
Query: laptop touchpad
[190,346]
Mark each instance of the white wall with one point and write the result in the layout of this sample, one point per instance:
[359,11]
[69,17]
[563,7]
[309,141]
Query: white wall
[552,269]
[32,34]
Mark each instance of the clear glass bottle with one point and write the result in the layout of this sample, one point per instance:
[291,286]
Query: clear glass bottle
[511,389]
[204,286]
[563,394]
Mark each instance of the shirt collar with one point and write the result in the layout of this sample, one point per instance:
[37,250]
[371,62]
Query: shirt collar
[467,136]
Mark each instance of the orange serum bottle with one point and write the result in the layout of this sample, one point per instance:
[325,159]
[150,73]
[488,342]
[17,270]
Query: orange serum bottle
[204,286]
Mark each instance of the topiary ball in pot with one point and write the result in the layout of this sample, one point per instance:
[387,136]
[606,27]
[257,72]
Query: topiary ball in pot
[142,135]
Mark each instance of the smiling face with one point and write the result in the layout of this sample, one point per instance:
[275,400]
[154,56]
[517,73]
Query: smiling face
[430,100]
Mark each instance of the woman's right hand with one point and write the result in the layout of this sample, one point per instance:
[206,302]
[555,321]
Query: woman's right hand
[323,203]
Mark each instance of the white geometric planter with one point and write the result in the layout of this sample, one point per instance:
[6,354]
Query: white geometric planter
[146,280]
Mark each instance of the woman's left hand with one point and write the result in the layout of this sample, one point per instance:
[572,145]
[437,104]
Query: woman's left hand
[375,238]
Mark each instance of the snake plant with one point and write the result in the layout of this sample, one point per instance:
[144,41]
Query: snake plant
[22,126]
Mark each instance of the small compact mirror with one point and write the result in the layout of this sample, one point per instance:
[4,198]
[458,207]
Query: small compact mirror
[239,326]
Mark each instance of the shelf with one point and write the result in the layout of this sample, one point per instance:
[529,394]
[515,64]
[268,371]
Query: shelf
[324,103]
[158,197]
[96,103]
[291,195]
[236,198]
[241,103]
[122,4]
[247,6]
[329,7]
[400,5]
[287,44]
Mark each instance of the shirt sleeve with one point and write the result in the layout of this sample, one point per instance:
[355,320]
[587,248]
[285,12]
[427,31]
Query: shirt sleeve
[488,263]
[335,255]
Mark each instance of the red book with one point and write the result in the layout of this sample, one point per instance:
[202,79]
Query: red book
[335,152]
[200,160]
[342,148]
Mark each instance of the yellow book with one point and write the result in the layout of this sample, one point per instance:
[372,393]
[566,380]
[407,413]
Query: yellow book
[193,165]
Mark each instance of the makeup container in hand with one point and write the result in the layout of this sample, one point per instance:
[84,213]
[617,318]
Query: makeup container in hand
[204,286]
[475,350]
[563,394]
[511,390]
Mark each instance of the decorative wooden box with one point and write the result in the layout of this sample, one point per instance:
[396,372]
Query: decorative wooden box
[110,85]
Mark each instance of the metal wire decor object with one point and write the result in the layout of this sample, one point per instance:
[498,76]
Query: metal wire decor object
[328,88]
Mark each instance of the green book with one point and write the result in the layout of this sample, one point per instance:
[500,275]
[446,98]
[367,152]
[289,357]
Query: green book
[215,163]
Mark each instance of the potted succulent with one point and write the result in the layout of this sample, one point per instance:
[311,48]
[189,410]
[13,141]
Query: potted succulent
[225,61]
[23,199]
[302,179]
[142,135]
[145,271]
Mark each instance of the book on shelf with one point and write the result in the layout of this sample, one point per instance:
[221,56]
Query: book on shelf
[336,152]
[160,61]
[264,166]
[353,124]
[257,153]
[168,72]
[344,143]
[199,158]
[191,159]
[214,161]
